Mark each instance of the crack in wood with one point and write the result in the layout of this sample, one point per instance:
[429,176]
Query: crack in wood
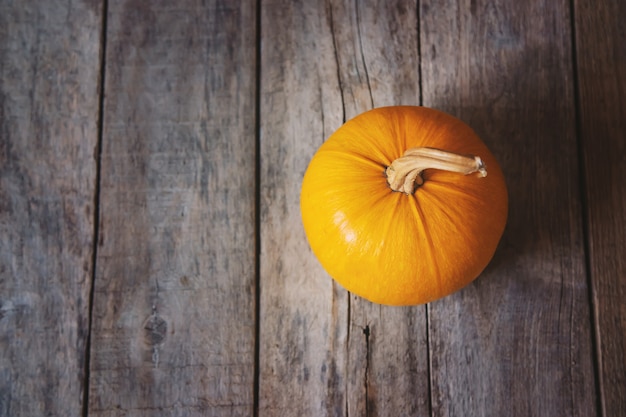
[333,34]
[366,332]
[358,29]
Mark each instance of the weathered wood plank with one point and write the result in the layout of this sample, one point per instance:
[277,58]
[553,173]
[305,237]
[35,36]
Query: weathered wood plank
[517,341]
[323,62]
[376,45]
[49,67]
[601,62]
[304,315]
[174,321]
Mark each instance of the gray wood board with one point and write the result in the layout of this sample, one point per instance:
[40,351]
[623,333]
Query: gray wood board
[377,54]
[517,341]
[49,69]
[324,62]
[174,301]
[601,59]
[304,316]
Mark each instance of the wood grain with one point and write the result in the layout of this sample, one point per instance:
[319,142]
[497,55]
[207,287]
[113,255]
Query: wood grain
[541,332]
[304,316]
[517,341]
[49,68]
[322,63]
[601,61]
[174,306]
[376,45]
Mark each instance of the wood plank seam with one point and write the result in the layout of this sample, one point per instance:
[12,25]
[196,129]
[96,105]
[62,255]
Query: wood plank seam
[257,214]
[595,351]
[96,210]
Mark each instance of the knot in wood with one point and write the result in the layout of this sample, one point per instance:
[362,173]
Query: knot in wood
[155,330]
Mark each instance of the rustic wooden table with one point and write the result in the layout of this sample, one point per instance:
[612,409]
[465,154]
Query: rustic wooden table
[152,258]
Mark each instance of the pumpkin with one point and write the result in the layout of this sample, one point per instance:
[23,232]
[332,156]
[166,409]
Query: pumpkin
[398,208]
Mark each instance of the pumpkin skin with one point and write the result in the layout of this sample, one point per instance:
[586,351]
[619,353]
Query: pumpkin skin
[395,248]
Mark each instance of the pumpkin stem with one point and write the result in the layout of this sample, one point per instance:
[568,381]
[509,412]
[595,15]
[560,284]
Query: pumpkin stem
[405,173]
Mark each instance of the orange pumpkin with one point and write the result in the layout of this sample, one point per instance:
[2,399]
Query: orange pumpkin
[397,206]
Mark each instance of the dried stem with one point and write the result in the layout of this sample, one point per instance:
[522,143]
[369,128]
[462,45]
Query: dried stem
[405,173]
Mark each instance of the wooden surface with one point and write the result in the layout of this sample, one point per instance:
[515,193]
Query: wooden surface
[152,258]
[516,90]
[601,66]
[174,301]
[49,98]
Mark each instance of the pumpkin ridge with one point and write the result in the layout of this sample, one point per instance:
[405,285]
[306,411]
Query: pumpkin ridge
[440,197]
[389,216]
[444,208]
[450,188]
[420,217]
